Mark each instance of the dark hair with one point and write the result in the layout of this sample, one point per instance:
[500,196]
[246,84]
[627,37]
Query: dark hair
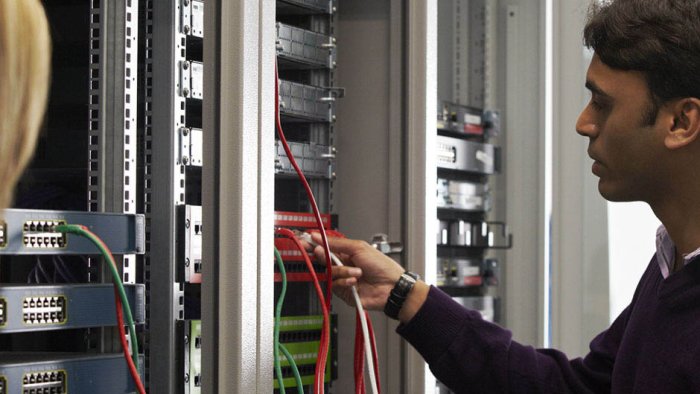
[659,38]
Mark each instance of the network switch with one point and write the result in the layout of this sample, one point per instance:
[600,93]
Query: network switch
[303,48]
[462,195]
[306,103]
[315,161]
[53,307]
[33,232]
[47,373]
[460,119]
[469,156]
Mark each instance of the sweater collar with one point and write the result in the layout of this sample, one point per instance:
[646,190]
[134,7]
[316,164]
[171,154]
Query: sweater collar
[666,252]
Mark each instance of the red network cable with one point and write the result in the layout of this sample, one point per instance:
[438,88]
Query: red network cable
[325,339]
[359,355]
[125,346]
[320,370]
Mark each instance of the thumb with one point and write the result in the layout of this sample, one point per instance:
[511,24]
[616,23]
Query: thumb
[341,245]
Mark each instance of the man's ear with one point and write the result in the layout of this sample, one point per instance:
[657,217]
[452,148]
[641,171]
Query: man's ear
[685,127]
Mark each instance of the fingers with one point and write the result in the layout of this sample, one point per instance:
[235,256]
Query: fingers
[346,272]
[341,245]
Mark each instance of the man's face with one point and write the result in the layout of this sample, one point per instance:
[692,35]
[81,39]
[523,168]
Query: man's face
[627,152]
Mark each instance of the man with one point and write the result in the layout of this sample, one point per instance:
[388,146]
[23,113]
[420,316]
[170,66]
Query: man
[642,122]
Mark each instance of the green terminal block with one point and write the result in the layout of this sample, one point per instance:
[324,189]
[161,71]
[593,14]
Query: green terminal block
[301,336]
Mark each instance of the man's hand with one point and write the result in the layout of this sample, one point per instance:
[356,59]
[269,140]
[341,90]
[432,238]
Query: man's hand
[374,273]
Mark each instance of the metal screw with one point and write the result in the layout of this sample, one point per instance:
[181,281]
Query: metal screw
[187,29]
[185,131]
[187,223]
[186,65]
[187,339]
[186,92]
[186,2]
[185,160]
[187,264]
[187,378]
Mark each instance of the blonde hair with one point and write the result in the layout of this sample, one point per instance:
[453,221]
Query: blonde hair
[25,55]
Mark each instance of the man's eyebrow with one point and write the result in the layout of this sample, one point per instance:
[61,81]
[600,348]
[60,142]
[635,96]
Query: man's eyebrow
[590,85]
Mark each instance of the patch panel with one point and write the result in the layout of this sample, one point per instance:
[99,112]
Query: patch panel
[52,373]
[460,272]
[33,232]
[316,161]
[469,156]
[300,220]
[190,243]
[460,119]
[52,307]
[305,102]
[462,195]
[45,382]
[301,335]
[302,48]
[44,310]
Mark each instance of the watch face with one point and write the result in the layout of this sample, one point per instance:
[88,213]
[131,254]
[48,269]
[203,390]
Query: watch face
[409,278]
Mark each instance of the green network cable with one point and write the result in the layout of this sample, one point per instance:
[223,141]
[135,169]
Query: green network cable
[277,345]
[84,232]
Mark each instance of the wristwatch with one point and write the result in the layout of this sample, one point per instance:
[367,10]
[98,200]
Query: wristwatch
[399,293]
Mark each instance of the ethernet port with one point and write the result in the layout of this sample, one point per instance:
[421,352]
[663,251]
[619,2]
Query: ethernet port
[48,382]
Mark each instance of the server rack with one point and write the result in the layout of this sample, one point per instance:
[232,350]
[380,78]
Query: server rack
[84,172]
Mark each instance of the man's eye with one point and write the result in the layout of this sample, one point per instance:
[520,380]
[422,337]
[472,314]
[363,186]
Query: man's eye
[596,105]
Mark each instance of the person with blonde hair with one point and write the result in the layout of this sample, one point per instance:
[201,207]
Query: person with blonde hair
[25,55]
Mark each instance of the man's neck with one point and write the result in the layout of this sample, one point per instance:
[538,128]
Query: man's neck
[682,221]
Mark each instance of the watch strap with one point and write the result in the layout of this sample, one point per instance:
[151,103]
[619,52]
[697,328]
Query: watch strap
[399,293]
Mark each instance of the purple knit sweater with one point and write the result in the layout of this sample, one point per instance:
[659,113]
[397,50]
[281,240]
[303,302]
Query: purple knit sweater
[652,347]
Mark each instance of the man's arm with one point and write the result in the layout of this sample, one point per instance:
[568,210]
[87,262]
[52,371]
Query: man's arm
[465,352]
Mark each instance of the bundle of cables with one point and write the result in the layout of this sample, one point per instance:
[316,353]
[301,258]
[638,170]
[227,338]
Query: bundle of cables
[364,341]
[324,345]
[279,347]
[120,300]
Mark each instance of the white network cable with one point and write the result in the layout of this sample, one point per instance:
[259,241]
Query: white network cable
[363,319]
